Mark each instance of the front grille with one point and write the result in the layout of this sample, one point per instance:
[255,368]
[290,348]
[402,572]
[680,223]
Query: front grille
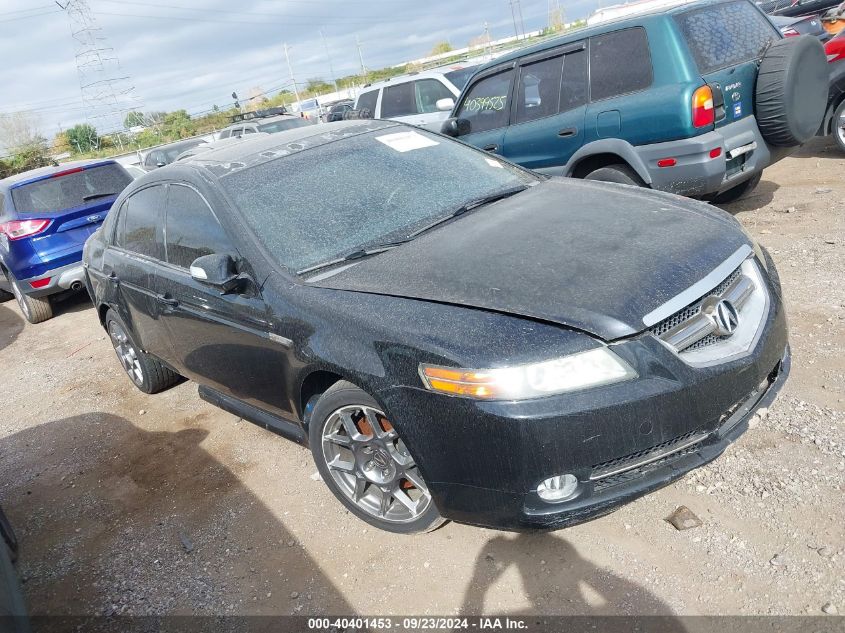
[692,310]
[669,448]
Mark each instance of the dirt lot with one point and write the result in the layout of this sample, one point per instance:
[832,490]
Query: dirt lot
[134,504]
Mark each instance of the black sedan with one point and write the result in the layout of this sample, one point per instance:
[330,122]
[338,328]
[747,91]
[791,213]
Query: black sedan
[454,337]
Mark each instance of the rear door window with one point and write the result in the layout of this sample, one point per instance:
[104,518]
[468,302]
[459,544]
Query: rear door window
[620,63]
[399,100]
[367,101]
[486,105]
[727,34]
[192,230]
[573,85]
[73,189]
[539,89]
[141,223]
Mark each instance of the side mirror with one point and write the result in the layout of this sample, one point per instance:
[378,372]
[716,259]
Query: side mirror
[455,127]
[216,270]
[445,105]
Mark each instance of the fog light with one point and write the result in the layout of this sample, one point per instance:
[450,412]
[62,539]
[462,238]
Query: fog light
[559,488]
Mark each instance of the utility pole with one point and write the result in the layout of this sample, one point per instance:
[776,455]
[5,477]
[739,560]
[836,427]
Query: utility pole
[513,15]
[521,21]
[329,59]
[361,58]
[107,93]
[290,69]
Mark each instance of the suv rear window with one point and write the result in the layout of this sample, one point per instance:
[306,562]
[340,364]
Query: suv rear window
[76,188]
[367,101]
[620,63]
[723,35]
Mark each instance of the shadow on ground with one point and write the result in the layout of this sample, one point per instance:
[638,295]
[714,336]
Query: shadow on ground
[116,520]
[11,324]
[819,147]
[762,195]
[557,580]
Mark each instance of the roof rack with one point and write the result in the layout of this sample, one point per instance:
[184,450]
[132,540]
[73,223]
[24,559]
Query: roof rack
[259,114]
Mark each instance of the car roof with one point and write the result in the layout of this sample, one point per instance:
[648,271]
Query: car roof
[260,149]
[423,74]
[598,29]
[43,172]
[260,120]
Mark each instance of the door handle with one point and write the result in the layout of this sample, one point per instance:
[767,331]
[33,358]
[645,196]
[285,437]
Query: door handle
[113,278]
[567,132]
[491,148]
[168,301]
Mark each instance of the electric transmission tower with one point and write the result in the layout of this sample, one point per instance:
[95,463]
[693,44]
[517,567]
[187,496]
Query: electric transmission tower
[107,93]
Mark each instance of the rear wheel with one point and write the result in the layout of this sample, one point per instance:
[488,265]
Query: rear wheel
[621,174]
[366,465]
[839,126]
[35,309]
[735,193]
[145,372]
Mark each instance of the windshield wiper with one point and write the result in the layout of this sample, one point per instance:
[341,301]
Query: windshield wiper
[469,206]
[92,196]
[356,254]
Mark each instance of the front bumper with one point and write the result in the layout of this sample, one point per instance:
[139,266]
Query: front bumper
[70,277]
[483,460]
[696,173]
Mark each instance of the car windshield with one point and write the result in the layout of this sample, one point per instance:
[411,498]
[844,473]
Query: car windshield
[72,189]
[284,124]
[362,191]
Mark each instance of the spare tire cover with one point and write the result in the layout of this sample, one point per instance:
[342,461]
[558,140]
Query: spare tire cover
[791,94]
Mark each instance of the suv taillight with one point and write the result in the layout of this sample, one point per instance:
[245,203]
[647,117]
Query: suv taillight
[17,229]
[703,112]
[788,31]
[835,49]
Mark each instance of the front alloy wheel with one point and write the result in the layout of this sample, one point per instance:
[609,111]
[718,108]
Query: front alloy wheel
[366,464]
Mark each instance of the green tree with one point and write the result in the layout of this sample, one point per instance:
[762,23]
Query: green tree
[134,119]
[317,85]
[82,138]
[440,48]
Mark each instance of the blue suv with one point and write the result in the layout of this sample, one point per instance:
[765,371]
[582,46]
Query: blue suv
[45,217]
[696,100]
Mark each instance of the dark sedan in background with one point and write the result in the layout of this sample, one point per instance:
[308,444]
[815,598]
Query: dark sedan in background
[453,337]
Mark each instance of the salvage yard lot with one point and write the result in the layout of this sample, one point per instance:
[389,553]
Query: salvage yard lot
[134,504]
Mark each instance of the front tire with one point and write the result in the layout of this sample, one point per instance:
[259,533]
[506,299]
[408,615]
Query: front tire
[34,309]
[145,372]
[620,174]
[365,464]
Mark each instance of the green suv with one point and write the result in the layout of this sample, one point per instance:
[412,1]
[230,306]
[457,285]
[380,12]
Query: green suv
[696,99]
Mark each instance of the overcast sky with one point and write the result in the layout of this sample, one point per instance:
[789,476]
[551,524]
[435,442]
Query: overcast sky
[190,54]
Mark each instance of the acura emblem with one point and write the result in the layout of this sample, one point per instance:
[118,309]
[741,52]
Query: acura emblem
[725,317]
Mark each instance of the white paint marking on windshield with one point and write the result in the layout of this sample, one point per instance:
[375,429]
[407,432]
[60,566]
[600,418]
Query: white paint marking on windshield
[406,141]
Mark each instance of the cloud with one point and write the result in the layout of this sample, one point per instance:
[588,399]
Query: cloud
[195,56]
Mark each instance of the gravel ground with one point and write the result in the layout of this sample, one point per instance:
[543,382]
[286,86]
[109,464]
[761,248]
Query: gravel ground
[132,504]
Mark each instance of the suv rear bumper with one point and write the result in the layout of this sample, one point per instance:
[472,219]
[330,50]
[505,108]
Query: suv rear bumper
[696,173]
[70,277]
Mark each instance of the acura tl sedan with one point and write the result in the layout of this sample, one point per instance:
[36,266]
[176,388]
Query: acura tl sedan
[452,336]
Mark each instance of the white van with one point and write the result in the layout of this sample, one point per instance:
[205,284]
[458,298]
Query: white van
[423,98]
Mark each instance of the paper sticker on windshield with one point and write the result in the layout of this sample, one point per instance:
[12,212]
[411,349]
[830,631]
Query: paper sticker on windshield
[406,141]
[493,163]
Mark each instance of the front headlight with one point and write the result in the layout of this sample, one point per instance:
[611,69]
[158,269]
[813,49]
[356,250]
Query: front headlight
[578,371]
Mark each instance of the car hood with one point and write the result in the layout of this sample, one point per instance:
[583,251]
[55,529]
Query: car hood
[590,256]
